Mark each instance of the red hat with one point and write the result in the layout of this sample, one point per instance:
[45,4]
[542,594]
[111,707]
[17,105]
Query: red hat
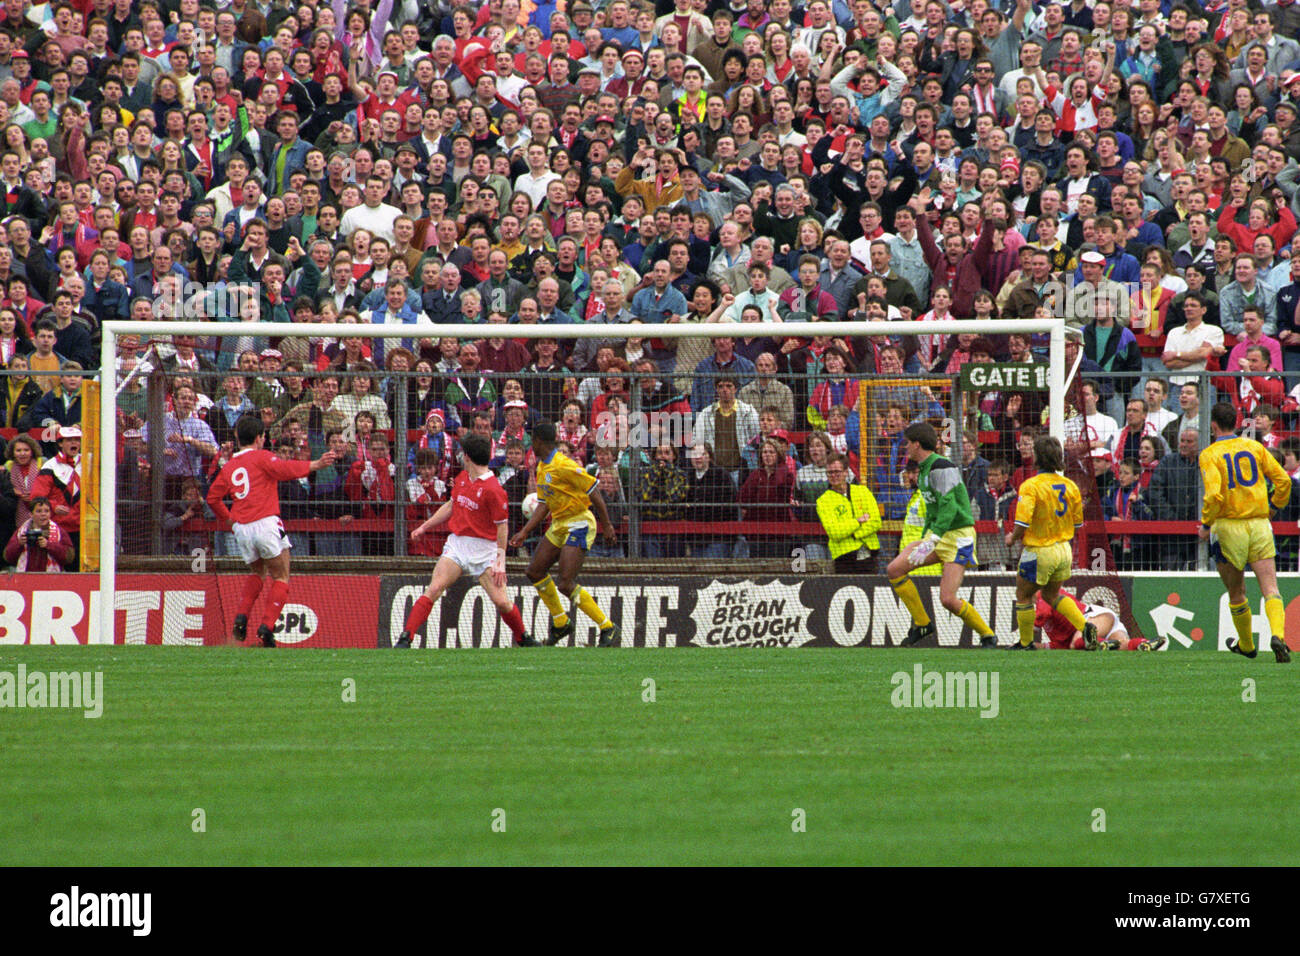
[780,433]
[435,413]
[19,54]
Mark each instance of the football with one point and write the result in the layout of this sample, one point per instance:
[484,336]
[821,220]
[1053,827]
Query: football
[529,506]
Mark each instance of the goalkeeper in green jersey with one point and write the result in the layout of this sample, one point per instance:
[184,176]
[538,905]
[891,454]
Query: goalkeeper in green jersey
[948,538]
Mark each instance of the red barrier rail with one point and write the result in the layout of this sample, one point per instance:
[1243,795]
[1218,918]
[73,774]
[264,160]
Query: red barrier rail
[789,529]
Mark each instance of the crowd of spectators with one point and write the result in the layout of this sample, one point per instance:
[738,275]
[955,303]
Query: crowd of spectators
[1131,167]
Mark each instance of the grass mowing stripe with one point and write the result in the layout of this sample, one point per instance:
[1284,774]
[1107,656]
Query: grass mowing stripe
[710,772]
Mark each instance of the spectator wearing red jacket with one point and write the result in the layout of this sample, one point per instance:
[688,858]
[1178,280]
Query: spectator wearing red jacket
[1264,219]
[59,482]
[370,482]
[427,493]
[765,499]
[1259,386]
[49,549]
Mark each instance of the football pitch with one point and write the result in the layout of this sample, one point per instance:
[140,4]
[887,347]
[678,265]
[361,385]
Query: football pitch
[645,757]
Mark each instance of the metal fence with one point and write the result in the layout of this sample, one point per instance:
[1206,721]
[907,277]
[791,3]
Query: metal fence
[637,433]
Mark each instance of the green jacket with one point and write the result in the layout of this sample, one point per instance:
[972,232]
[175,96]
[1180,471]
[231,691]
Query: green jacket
[947,505]
[839,516]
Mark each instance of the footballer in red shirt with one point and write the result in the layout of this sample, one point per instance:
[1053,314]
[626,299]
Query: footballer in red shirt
[477,545]
[251,479]
[1111,633]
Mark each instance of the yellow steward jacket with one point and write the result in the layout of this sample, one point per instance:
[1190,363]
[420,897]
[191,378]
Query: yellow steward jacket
[839,516]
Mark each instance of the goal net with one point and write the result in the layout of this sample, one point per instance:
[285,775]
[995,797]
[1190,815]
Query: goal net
[709,447]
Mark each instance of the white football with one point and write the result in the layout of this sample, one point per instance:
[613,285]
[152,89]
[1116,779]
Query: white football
[529,506]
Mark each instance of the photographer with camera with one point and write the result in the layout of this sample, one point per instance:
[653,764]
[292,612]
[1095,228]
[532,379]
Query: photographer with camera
[39,545]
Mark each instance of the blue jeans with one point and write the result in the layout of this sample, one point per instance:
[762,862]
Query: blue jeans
[337,544]
[713,549]
[662,546]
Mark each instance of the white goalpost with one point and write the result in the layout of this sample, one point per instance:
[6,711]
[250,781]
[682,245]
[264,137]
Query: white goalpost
[112,330]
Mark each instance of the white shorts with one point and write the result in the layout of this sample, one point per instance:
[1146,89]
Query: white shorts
[263,538]
[474,555]
[1117,631]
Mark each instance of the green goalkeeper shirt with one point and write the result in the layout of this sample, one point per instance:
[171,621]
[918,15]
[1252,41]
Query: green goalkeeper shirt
[947,505]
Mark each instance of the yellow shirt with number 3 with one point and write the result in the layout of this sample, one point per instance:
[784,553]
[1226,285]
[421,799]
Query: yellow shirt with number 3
[1050,509]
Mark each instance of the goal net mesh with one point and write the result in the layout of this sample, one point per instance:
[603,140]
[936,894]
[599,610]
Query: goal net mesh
[710,453]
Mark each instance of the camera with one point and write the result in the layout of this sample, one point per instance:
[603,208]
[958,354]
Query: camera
[33,536]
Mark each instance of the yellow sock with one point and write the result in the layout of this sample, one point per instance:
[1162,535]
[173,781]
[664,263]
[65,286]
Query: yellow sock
[550,596]
[1025,620]
[1276,616]
[911,599]
[1070,611]
[587,604]
[1241,621]
[977,623]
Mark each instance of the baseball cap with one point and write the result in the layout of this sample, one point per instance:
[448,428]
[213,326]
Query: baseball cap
[516,403]
[781,433]
[69,431]
[19,54]
[391,73]
[1293,78]
[271,353]
[605,119]
[1094,257]
[1101,453]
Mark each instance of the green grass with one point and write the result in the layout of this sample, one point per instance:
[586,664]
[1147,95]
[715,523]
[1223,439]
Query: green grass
[288,773]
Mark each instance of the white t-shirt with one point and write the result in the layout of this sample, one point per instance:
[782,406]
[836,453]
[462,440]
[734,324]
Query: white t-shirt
[1183,339]
[535,187]
[1161,417]
[1098,428]
[378,221]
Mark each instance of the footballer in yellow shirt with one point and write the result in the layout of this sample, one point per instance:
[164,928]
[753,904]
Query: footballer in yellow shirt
[568,495]
[1235,519]
[1048,513]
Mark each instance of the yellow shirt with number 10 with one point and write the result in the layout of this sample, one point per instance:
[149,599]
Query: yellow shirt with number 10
[1050,509]
[1233,470]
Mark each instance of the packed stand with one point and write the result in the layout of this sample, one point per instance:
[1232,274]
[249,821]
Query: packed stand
[1132,168]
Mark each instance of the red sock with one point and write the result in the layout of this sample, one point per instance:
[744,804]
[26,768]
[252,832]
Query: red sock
[252,588]
[1076,644]
[279,594]
[515,621]
[1133,644]
[419,614]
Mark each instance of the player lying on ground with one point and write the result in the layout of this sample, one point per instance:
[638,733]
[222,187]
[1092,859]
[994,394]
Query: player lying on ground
[568,495]
[251,479]
[476,546]
[1108,631]
[948,538]
[1235,519]
[1048,513]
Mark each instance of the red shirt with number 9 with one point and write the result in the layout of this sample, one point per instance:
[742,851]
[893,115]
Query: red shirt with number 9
[251,478]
